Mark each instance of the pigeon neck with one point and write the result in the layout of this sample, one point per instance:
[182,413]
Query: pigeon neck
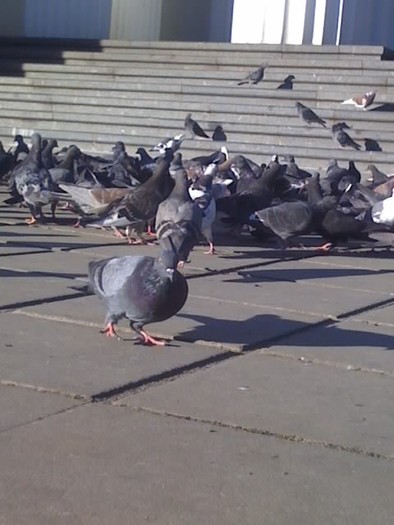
[314,191]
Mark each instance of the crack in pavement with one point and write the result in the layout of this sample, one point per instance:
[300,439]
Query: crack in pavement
[294,438]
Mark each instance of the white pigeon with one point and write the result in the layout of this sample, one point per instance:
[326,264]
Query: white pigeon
[383,211]
[362,101]
[174,143]
[201,193]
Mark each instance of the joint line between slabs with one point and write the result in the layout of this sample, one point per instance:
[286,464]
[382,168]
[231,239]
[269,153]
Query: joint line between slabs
[293,438]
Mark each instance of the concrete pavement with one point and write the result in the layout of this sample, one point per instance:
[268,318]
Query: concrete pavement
[271,405]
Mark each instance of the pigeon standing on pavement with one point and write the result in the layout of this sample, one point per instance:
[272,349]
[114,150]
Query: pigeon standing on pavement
[254,77]
[139,288]
[194,128]
[309,116]
[179,218]
[362,101]
[201,193]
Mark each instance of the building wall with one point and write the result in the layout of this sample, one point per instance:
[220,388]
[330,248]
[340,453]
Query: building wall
[67,18]
[12,17]
[135,19]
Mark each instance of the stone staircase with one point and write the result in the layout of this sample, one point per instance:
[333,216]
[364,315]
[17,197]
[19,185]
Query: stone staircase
[95,93]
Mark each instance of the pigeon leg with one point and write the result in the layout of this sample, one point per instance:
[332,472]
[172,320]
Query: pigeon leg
[117,232]
[145,338]
[109,331]
[325,248]
[211,250]
[53,209]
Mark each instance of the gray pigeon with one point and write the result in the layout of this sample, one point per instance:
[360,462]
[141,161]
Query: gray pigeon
[254,77]
[139,288]
[219,134]
[309,116]
[179,218]
[194,128]
[343,138]
[287,220]
[33,181]
[287,82]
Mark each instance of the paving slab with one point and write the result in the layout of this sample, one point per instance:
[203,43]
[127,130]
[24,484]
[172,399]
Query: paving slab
[348,343]
[25,287]
[340,275]
[228,324]
[102,464]
[20,406]
[383,315]
[286,397]
[265,287]
[78,360]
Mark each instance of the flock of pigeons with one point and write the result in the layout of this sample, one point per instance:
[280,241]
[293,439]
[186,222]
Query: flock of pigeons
[180,198]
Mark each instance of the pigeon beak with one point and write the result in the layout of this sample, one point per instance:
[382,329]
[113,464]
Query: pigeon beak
[348,187]
[170,272]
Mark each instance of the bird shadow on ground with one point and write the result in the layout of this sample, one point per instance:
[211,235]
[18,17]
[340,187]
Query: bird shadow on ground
[388,106]
[243,332]
[34,273]
[266,330]
[302,274]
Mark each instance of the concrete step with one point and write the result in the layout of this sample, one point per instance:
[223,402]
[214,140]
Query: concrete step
[68,85]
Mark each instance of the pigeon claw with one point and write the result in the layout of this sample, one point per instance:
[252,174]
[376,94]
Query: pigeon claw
[31,221]
[151,341]
[109,331]
[325,248]
[211,250]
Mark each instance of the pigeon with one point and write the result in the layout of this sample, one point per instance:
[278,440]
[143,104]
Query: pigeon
[343,138]
[383,212]
[286,220]
[378,177]
[362,101]
[201,193]
[287,82]
[219,134]
[91,201]
[173,143]
[139,206]
[194,128]
[7,161]
[32,181]
[179,218]
[20,149]
[372,145]
[257,195]
[309,116]
[47,157]
[140,288]
[254,77]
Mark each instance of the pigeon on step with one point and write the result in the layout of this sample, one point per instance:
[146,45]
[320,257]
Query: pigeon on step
[287,83]
[309,116]
[254,77]
[194,128]
[362,101]
[343,138]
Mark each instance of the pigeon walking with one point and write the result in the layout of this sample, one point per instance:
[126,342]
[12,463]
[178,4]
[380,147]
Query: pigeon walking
[254,77]
[343,138]
[194,128]
[309,116]
[139,288]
